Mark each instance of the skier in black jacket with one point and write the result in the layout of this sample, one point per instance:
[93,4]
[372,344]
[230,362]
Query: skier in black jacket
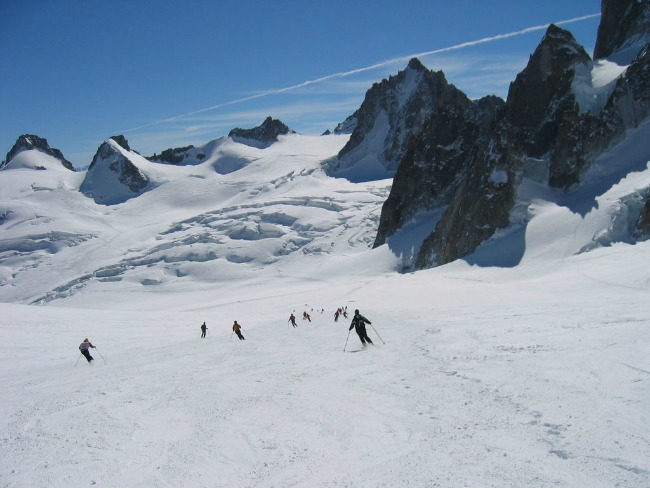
[359,323]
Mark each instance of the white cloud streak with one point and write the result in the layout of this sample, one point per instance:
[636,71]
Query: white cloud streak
[373,67]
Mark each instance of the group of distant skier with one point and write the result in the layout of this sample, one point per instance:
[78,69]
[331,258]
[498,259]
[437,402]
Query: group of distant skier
[358,324]
[340,311]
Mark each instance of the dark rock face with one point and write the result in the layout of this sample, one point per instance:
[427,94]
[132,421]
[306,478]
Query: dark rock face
[265,134]
[171,156]
[481,205]
[622,22]
[482,197]
[27,142]
[122,142]
[541,93]
[643,225]
[112,177]
[129,175]
[435,163]
[393,111]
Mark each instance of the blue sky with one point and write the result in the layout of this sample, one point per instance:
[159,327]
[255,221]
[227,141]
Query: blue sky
[177,72]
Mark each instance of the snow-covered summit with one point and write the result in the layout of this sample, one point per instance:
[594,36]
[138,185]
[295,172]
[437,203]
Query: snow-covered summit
[29,142]
[114,175]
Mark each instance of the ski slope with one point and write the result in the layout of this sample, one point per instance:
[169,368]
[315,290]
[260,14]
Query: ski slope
[535,374]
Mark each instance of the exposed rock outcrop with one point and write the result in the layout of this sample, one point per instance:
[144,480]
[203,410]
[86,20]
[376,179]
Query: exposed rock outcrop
[28,142]
[174,156]
[263,135]
[643,225]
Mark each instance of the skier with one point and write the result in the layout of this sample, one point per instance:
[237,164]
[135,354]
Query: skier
[237,329]
[83,347]
[203,329]
[292,319]
[359,323]
[306,316]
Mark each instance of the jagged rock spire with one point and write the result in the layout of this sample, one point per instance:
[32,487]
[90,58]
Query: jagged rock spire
[394,110]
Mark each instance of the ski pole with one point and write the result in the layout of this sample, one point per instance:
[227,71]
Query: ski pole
[75,364]
[100,354]
[231,335]
[346,340]
[373,328]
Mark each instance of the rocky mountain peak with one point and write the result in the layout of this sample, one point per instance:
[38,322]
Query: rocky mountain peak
[28,142]
[394,110]
[107,150]
[624,26]
[122,142]
[416,64]
[543,92]
[264,135]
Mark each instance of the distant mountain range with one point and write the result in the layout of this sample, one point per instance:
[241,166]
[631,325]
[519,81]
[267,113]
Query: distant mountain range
[461,169]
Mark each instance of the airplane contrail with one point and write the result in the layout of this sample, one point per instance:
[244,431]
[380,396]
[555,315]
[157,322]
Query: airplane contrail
[343,74]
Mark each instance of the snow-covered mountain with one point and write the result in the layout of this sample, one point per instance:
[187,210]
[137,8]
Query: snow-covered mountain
[31,142]
[461,172]
[243,208]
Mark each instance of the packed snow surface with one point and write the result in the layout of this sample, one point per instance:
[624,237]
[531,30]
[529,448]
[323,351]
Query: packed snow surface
[536,374]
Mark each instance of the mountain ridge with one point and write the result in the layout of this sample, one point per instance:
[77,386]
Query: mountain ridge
[462,186]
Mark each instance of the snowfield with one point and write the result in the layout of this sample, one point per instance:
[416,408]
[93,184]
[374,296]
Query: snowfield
[525,365]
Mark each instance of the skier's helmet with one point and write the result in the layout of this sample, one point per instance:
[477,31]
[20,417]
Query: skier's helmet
[356,312]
